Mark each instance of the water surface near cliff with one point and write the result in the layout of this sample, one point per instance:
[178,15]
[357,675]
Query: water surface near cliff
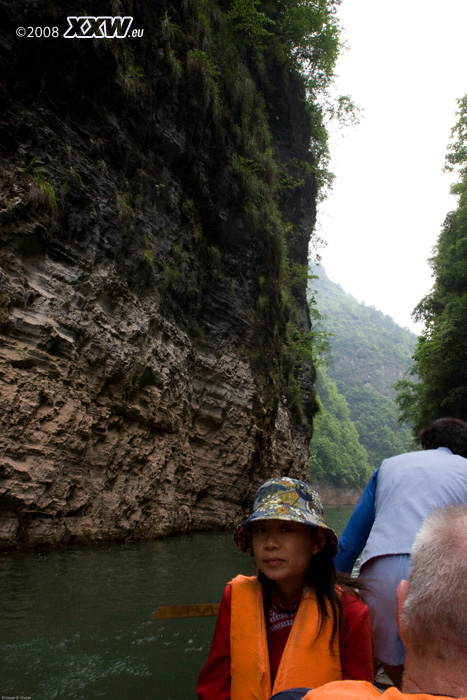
[78,624]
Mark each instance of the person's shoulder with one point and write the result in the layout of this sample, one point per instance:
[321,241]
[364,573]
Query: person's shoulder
[354,609]
[350,598]
[404,460]
[411,454]
[227,594]
[443,454]
[240,581]
[347,690]
[360,690]
[393,693]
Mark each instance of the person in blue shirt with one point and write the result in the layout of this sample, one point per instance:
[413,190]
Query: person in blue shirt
[400,494]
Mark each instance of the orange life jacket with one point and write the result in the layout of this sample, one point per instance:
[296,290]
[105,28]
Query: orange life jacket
[308,660]
[362,690]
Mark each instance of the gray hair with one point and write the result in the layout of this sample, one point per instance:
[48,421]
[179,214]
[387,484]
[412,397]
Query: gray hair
[435,611]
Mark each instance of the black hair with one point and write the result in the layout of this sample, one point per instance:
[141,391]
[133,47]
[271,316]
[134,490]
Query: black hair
[322,578]
[445,432]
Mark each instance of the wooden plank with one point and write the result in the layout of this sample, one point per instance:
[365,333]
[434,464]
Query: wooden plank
[165,612]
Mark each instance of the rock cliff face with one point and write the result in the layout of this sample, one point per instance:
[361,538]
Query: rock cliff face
[143,371]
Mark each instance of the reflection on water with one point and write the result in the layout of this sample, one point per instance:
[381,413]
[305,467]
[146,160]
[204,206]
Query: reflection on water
[79,624]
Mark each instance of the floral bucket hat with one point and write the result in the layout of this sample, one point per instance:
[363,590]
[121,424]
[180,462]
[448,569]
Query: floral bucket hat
[284,499]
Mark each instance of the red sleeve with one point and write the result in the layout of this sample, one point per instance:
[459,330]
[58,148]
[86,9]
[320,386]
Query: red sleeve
[356,640]
[214,679]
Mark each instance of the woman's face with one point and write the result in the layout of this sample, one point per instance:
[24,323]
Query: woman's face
[283,551]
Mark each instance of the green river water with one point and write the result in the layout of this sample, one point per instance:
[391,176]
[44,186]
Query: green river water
[78,624]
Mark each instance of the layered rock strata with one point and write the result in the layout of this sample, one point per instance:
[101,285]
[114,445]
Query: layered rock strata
[141,369]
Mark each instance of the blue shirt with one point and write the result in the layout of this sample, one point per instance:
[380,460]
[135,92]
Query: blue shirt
[397,499]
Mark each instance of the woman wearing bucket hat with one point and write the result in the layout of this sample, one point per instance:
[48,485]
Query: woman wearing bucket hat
[293,624]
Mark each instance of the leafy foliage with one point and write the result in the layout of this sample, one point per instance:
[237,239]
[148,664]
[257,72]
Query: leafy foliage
[457,149]
[437,382]
[375,418]
[305,35]
[369,353]
[250,19]
[309,33]
[336,455]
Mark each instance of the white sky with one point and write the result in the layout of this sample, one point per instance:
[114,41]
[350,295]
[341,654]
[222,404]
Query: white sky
[405,67]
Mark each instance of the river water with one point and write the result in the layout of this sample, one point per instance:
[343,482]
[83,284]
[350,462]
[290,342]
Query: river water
[78,624]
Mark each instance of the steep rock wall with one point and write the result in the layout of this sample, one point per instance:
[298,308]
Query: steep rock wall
[142,374]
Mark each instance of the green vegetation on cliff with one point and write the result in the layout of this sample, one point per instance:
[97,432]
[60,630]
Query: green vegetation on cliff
[357,427]
[255,71]
[437,383]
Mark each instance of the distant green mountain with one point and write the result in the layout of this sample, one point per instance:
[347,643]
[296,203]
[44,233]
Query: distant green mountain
[370,352]
[336,454]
